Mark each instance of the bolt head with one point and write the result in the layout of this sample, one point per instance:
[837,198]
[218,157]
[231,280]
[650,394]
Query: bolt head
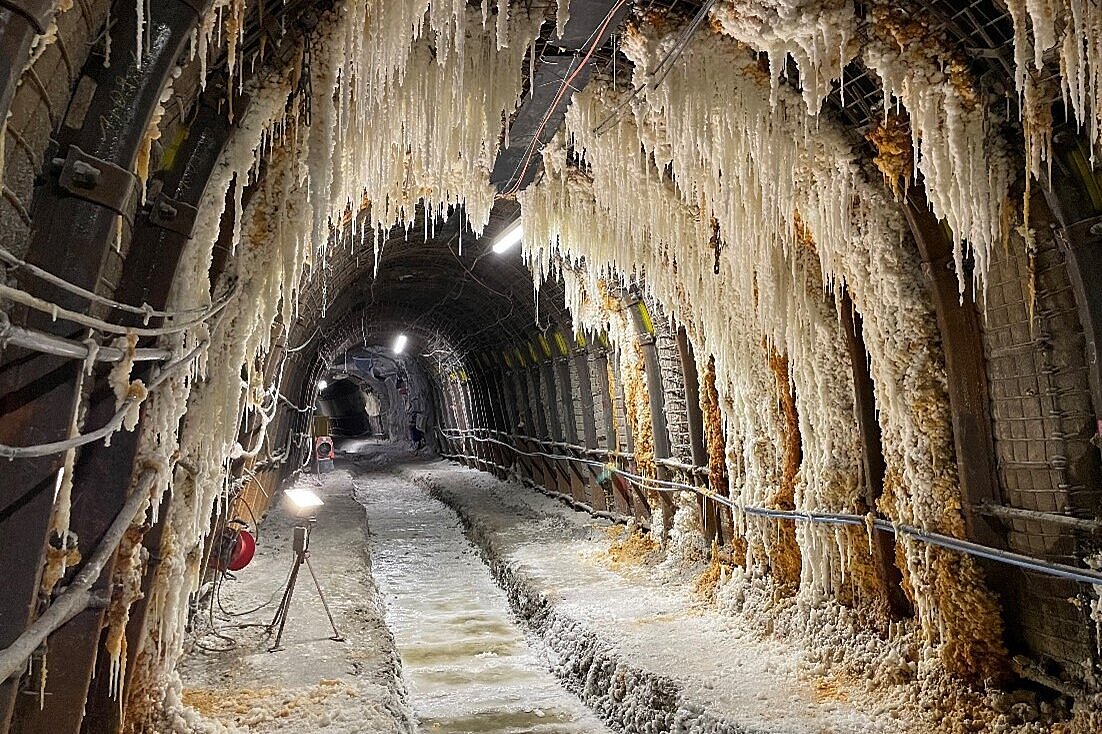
[85,174]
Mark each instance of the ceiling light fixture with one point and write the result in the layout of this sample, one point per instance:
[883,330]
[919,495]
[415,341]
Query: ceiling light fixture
[511,236]
[399,343]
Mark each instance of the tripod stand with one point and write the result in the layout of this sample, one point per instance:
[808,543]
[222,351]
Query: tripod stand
[301,545]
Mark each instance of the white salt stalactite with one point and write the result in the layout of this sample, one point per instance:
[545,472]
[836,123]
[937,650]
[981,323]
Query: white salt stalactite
[161,433]
[745,160]
[819,35]
[562,16]
[966,173]
[424,64]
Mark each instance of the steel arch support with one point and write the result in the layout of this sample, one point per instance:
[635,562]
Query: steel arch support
[965,369]
[71,238]
[20,22]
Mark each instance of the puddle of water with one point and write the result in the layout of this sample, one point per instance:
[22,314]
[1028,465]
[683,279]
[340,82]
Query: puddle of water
[537,720]
[466,662]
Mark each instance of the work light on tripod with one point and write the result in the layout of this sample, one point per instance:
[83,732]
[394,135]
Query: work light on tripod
[303,504]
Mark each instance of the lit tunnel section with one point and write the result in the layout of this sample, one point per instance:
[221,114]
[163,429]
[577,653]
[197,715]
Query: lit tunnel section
[797,294]
[378,391]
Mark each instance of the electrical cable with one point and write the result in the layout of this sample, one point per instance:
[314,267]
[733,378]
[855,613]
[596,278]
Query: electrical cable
[214,625]
[239,451]
[145,310]
[56,447]
[1061,570]
[19,296]
[470,272]
[228,613]
[252,515]
[667,62]
[518,176]
[40,341]
[661,70]
[292,350]
[78,595]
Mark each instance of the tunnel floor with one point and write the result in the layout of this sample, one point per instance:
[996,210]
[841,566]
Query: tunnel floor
[464,656]
[474,605]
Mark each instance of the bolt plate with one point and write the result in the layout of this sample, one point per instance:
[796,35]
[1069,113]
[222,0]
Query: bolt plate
[175,216]
[113,187]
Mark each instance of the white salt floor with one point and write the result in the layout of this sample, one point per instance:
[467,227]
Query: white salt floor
[722,669]
[314,684]
[414,587]
[465,659]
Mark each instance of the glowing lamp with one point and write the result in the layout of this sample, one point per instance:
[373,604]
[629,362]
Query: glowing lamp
[322,384]
[399,343]
[510,237]
[303,500]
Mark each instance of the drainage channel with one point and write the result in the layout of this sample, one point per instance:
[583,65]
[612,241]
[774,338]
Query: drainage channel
[466,661]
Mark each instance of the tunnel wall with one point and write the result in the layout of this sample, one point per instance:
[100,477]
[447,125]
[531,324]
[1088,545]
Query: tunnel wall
[1042,420]
[39,106]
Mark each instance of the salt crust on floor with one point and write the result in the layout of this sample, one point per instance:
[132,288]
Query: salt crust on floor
[468,664]
[314,684]
[727,676]
[729,671]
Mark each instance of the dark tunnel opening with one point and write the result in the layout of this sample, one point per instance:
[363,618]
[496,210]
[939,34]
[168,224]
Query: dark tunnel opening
[374,392]
[344,402]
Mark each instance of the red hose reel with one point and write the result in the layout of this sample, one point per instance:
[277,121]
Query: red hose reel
[236,547]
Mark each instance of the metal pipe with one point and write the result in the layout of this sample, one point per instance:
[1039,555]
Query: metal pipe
[1017,513]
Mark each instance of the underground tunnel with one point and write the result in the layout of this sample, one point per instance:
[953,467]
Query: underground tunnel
[550,366]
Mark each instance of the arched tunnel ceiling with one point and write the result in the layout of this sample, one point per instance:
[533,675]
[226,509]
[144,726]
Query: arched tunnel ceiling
[422,285]
[478,299]
[426,281]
